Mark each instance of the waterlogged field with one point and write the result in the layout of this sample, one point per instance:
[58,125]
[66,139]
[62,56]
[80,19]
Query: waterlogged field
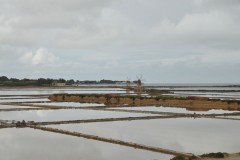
[91,131]
[183,134]
[69,104]
[173,110]
[64,115]
[47,91]
[22,144]
[210,94]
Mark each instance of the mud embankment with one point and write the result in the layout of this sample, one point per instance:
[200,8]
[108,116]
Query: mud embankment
[190,104]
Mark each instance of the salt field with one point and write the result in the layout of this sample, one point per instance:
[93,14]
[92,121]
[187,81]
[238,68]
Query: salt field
[76,130]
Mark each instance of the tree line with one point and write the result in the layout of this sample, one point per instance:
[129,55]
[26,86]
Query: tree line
[5,81]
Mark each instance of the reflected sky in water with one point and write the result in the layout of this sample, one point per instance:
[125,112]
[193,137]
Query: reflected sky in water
[24,100]
[176,110]
[12,106]
[183,134]
[70,104]
[24,144]
[16,97]
[43,91]
[222,95]
[63,114]
[195,88]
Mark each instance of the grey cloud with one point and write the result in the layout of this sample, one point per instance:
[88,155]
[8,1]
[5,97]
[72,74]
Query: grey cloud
[91,23]
[219,3]
[92,36]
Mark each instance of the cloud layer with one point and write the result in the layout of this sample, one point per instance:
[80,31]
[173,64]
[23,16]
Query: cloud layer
[167,41]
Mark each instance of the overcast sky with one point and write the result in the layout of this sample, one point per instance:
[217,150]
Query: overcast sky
[174,41]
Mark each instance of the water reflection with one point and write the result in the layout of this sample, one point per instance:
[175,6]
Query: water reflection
[60,115]
[16,97]
[22,144]
[176,110]
[70,104]
[44,91]
[24,100]
[185,134]
[224,95]
[188,135]
[10,107]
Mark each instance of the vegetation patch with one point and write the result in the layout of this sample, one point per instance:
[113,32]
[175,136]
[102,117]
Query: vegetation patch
[183,158]
[178,158]
[214,155]
[192,158]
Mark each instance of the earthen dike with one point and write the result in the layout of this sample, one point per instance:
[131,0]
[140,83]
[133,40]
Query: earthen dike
[191,103]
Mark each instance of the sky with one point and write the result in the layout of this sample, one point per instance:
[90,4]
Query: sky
[174,41]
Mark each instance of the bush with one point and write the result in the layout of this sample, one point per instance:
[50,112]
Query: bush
[192,158]
[213,155]
[178,158]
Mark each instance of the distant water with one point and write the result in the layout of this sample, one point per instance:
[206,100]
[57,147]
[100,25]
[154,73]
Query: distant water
[193,84]
[216,91]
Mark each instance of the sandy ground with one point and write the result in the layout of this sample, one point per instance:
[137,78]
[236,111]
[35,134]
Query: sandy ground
[230,157]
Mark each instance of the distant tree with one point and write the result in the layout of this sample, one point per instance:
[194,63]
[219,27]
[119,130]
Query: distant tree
[61,80]
[25,79]
[71,81]
[49,81]
[89,82]
[3,78]
[104,81]
[43,81]
[14,79]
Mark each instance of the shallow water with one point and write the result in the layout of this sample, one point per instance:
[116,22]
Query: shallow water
[235,117]
[47,91]
[12,106]
[175,110]
[224,95]
[70,104]
[63,115]
[195,88]
[183,134]
[205,90]
[24,144]
[24,100]
[17,97]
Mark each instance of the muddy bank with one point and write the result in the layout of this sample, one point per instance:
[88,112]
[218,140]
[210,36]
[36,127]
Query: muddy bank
[115,99]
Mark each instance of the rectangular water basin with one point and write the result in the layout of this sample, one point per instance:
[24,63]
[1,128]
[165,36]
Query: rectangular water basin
[22,144]
[13,106]
[175,110]
[69,104]
[24,100]
[188,135]
[63,115]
